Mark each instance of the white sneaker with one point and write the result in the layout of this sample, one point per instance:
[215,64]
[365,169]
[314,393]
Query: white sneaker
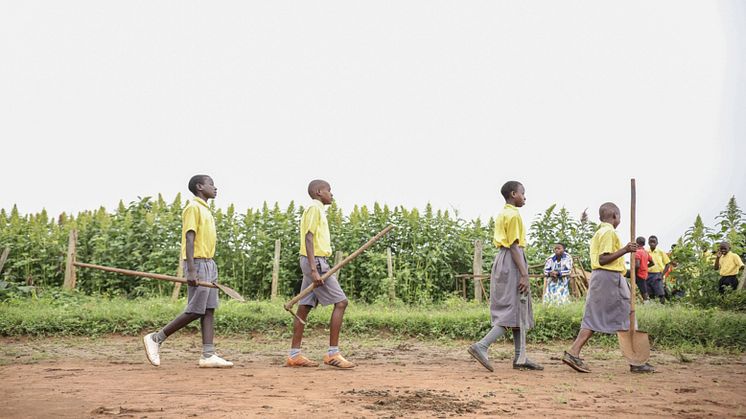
[214,361]
[151,349]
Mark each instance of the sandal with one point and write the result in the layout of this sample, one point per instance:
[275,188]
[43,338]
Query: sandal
[575,363]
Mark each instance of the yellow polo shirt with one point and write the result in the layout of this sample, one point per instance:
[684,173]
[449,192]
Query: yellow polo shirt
[314,221]
[730,264]
[198,218]
[509,228]
[660,258]
[606,241]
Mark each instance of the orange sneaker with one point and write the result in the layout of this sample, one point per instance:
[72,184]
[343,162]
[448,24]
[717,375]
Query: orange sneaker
[300,361]
[337,360]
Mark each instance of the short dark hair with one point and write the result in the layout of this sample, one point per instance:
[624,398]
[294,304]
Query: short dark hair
[640,240]
[315,185]
[653,237]
[561,244]
[196,180]
[508,187]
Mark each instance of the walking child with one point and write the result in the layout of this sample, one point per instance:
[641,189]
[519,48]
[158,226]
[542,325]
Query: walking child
[508,280]
[655,283]
[729,265]
[607,306]
[198,238]
[315,247]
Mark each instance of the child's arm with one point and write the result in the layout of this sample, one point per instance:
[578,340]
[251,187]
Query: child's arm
[717,261]
[651,263]
[191,269]
[312,260]
[606,258]
[521,264]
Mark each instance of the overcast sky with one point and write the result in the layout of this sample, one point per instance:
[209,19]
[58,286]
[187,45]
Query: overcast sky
[400,102]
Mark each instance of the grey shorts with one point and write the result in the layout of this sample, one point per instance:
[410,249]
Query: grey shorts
[329,293]
[655,284]
[200,299]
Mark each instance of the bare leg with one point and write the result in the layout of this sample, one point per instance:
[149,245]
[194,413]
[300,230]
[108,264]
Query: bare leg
[298,327]
[207,324]
[580,341]
[179,322]
[335,325]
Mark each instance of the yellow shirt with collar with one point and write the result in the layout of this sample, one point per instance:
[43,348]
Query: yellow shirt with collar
[314,221]
[660,258]
[606,241]
[197,217]
[509,228]
[730,264]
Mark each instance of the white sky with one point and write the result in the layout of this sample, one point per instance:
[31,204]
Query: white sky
[400,102]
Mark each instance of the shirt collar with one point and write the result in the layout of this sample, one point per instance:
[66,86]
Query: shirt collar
[605,225]
[511,206]
[201,201]
[317,203]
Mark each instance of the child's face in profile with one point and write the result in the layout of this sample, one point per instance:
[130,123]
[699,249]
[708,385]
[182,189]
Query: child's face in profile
[208,188]
[325,195]
[519,196]
[616,218]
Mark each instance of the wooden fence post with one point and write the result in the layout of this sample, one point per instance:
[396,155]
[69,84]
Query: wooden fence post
[4,257]
[275,270]
[177,286]
[477,268]
[392,284]
[338,258]
[70,276]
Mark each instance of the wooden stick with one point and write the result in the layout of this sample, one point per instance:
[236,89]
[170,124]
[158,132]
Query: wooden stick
[633,283]
[161,277]
[289,305]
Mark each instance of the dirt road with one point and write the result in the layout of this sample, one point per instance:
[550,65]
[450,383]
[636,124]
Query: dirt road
[109,377]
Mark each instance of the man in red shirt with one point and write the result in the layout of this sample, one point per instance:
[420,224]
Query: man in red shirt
[642,262]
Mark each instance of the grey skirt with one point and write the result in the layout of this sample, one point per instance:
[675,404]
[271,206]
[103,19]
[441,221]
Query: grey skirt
[504,297]
[607,305]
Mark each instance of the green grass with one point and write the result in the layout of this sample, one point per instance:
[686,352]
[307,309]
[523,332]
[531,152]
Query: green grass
[674,327]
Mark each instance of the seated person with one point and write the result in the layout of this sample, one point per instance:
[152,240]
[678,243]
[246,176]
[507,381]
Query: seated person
[557,270]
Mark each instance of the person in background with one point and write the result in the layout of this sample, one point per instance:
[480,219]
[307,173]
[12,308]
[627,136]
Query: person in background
[557,271]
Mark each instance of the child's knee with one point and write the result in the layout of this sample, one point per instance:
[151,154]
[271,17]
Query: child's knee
[341,305]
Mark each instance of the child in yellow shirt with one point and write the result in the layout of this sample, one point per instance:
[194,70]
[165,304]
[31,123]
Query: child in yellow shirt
[607,305]
[729,265]
[508,281]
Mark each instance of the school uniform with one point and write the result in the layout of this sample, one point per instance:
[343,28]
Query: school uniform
[314,221]
[607,305]
[197,217]
[730,264]
[655,273]
[504,296]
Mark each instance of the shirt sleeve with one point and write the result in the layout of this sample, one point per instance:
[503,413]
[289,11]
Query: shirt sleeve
[548,266]
[664,257]
[739,262]
[190,218]
[313,220]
